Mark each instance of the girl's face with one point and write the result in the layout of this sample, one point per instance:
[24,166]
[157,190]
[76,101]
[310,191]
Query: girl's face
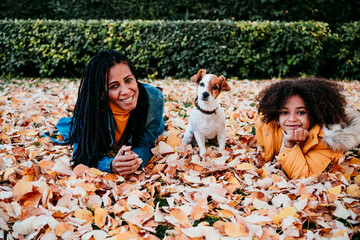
[123,88]
[294,114]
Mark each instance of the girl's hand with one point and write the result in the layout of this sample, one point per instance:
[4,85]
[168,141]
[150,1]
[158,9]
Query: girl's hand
[125,161]
[294,136]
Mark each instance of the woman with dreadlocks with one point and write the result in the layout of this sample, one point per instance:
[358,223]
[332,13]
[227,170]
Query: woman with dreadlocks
[116,118]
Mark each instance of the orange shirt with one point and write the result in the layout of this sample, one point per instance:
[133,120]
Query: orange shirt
[121,118]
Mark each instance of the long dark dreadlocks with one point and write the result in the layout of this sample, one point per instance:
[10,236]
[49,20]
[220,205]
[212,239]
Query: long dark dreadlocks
[91,126]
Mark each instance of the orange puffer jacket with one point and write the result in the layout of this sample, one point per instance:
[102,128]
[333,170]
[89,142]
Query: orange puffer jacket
[322,146]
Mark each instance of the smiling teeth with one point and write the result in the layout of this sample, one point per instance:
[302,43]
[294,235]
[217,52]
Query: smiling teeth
[128,99]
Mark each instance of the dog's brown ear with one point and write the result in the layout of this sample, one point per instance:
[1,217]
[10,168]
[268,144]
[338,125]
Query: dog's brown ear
[224,85]
[197,77]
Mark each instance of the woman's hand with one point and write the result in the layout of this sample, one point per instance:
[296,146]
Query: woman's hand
[294,136]
[125,162]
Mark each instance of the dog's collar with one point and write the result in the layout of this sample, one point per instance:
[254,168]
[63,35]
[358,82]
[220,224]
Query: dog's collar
[202,110]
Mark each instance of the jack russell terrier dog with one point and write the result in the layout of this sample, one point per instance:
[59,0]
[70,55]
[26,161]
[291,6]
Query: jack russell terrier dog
[207,120]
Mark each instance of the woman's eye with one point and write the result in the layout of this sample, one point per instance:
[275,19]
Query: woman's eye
[128,80]
[202,84]
[114,86]
[215,88]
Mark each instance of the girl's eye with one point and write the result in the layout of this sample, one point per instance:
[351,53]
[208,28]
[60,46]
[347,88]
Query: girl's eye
[302,112]
[202,84]
[283,112]
[215,88]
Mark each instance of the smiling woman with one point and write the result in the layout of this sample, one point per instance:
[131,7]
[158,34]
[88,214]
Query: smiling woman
[116,118]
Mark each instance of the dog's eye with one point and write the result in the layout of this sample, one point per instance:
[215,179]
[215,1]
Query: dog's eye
[202,84]
[215,88]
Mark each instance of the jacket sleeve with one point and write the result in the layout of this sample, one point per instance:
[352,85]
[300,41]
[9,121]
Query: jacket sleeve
[296,164]
[259,134]
[154,126]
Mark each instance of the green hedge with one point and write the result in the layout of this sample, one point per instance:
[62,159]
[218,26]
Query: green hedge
[49,48]
[330,11]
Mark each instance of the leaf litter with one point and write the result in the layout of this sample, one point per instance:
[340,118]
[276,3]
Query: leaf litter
[178,195]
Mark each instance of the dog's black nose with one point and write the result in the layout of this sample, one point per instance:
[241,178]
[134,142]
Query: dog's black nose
[205,94]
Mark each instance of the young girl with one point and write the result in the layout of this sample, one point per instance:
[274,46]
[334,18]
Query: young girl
[306,123]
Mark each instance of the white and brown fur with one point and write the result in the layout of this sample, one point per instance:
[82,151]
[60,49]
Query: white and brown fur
[345,135]
[207,120]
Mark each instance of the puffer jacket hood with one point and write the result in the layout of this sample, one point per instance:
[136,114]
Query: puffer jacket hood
[345,135]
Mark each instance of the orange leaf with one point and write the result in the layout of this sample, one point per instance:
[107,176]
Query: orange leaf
[84,214]
[95,171]
[173,140]
[100,217]
[357,179]
[353,190]
[245,166]
[236,230]
[126,236]
[181,217]
[62,228]
[355,160]
[22,187]
[158,168]
[198,212]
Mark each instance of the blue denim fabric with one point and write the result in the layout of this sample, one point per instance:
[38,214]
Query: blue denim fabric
[154,127]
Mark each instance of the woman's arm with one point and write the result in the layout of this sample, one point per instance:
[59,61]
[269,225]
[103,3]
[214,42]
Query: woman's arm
[154,126]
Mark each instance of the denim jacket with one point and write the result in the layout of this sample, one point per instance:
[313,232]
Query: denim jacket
[154,127]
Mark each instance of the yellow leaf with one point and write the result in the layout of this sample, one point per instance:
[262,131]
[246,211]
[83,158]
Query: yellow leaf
[96,172]
[84,214]
[335,190]
[286,212]
[22,187]
[340,232]
[31,132]
[226,213]
[353,190]
[173,140]
[277,219]
[100,215]
[245,166]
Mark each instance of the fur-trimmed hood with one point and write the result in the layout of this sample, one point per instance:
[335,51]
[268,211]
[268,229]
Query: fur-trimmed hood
[345,135]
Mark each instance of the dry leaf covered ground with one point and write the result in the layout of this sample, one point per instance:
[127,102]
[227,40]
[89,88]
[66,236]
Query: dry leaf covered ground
[178,195]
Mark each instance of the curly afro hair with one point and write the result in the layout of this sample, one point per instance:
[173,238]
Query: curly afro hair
[324,99]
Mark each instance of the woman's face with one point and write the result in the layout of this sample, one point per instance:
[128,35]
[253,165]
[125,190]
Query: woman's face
[123,88]
[294,114]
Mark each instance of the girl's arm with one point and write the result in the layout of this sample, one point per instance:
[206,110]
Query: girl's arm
[296,164]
